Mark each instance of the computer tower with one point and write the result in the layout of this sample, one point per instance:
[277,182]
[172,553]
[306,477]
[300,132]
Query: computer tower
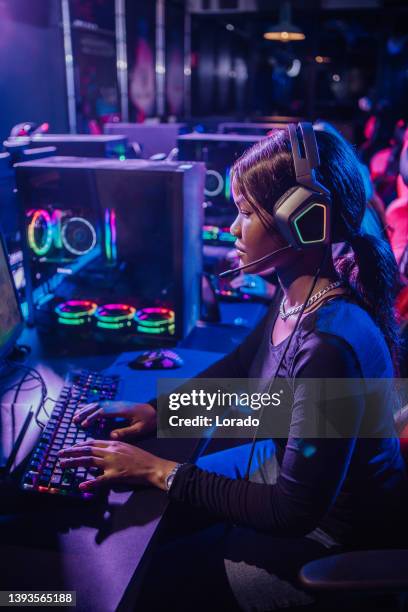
[83,145]
[9,221]
[8,212]
[218,152]
[152,138]
[112,249]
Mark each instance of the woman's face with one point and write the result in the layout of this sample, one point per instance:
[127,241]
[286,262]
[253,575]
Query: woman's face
[254,240]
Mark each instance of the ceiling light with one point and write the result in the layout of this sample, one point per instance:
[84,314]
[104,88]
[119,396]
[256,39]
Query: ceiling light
[285,30]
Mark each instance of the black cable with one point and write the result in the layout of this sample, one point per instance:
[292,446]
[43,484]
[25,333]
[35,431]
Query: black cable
[315,279]
[12,407]
[35,374]
[17,388]
[14,385]
[44,408]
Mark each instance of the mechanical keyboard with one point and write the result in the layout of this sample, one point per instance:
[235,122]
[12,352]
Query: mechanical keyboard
[44,473]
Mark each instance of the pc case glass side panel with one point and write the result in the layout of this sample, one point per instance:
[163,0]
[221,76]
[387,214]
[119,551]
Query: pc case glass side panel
[63,229]
[144,245]
[131,278]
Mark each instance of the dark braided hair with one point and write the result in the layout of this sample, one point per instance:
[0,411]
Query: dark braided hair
[266,171]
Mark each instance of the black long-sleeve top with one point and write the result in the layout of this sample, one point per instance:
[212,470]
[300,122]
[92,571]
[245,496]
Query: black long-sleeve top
[347,486]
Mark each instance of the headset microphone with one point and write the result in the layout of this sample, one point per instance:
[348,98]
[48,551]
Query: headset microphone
[252,263]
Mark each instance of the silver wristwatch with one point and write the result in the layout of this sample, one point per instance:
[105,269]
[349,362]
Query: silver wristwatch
[170,476]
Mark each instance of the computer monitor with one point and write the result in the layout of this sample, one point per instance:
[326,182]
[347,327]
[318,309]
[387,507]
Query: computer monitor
[152,138]
[113,249]
[83,145]
[218,152]
[11,320]
[261,129]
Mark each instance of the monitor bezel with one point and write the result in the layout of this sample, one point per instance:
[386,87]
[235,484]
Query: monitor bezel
[8,346]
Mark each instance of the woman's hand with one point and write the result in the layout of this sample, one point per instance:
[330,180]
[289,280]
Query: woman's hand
[118,462]
[142,418]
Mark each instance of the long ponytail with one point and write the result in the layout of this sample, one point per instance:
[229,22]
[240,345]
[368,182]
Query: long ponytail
[372,274]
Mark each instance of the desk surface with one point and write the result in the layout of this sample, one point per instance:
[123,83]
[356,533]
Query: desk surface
[95,551]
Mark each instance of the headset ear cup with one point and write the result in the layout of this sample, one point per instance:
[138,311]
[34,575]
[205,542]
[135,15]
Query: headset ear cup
[282,217]
[312,224]
[303,217]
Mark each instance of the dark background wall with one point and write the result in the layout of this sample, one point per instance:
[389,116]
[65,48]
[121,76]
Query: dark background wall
[32,70]
[95,73]
[174,53]
[236,72]
[141,53]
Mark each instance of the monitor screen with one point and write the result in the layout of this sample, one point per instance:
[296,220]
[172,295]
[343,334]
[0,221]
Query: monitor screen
[10,314]
[152,138]
[218,152]
[262,129]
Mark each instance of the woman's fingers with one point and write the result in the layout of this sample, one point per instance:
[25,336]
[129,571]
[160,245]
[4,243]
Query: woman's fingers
[105,409]
[96,483]
[125,432]
[93,416]
[85,411]
[93,443]
[85,448]
[82,461]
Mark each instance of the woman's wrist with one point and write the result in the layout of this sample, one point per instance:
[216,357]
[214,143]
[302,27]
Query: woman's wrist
[160,472]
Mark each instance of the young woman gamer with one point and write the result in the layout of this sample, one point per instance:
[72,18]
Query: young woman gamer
[297,192]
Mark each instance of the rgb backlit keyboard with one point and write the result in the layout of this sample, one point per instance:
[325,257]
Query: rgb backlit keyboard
[44,473]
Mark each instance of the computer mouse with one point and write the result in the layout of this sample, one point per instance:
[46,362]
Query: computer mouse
[160,359]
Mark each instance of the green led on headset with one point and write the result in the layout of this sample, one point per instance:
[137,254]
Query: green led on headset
[324,224]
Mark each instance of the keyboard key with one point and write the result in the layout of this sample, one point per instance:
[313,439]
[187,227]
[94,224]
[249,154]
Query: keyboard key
[31,477]
[67,480]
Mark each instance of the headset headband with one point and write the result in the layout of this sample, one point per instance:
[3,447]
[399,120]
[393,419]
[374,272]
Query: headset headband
[302,213]
[305,158]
